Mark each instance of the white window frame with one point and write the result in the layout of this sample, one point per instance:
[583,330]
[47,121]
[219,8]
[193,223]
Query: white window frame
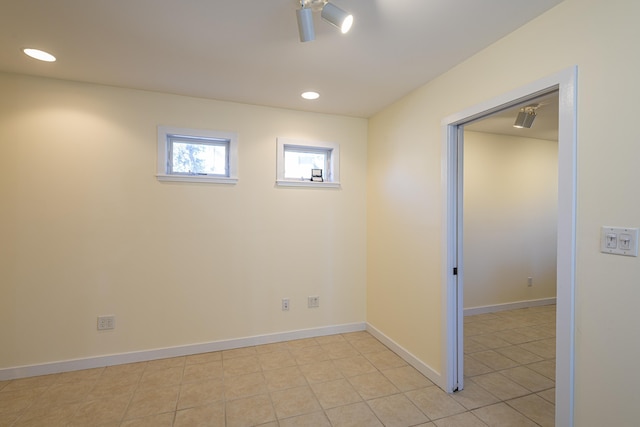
[165,132]
[331,175]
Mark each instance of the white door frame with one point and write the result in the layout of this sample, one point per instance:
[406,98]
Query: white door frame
[566,84]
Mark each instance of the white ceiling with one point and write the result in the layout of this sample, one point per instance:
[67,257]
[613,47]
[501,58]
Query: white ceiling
[248,51]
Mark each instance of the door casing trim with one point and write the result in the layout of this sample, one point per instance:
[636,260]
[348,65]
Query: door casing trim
[565,82]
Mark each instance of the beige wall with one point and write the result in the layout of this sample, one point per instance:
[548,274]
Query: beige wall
[510,215]
[404,202]
[86,229]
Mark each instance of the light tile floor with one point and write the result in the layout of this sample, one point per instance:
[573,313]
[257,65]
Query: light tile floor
[510,367]
[338,380]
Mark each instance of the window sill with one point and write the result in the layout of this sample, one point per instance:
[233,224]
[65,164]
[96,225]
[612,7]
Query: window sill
[197,178]
[294,183]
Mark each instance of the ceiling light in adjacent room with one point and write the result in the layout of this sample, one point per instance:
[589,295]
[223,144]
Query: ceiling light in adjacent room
[526,116]
[338,17]
[39,54]
[310,95]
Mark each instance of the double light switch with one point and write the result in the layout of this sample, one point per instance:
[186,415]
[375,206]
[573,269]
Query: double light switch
[619,241]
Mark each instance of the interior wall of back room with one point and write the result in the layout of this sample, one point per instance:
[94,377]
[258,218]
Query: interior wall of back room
[510,216]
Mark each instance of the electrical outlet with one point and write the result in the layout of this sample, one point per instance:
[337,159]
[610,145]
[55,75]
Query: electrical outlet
[106,322]
[529,281]
[285,304]
[313,301]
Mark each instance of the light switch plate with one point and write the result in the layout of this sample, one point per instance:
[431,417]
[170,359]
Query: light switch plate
[619,241]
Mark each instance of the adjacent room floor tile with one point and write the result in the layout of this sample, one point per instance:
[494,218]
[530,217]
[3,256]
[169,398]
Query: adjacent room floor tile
[490,341]
[528,379]
[546,368]
[544,348]
[493,360]
[548,395]
[466,419]
[500,386]
[535,408]
[434,402]
[502,415]
[473,396]
[473,367]
[519,354]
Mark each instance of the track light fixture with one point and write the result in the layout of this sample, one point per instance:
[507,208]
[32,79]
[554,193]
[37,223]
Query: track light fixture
[305,24]
[329,12]
[337,17]
[526,116]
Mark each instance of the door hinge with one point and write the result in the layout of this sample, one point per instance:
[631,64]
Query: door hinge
[455,271]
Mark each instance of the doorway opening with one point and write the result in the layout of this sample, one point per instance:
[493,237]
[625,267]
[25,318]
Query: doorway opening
[453,267]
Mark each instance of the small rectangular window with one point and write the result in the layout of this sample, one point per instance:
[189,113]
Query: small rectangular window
[300,161]
[307,163]
[197,155]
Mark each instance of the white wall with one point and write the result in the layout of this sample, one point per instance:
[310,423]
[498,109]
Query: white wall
[404,198]
[86,229]
[510,215]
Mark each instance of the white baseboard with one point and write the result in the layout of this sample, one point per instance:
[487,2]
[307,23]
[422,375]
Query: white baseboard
[508,306]
[162,353]
[412,360]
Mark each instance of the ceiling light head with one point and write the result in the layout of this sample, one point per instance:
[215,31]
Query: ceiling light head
[525,117]
[39,54]
[337,17]
[305,24]
[310,95]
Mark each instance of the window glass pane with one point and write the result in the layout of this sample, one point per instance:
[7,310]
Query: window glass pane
[298,164]
[194,158]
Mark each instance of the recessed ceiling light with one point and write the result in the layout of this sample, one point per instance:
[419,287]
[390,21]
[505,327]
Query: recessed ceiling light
[39,54]
[310,95]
